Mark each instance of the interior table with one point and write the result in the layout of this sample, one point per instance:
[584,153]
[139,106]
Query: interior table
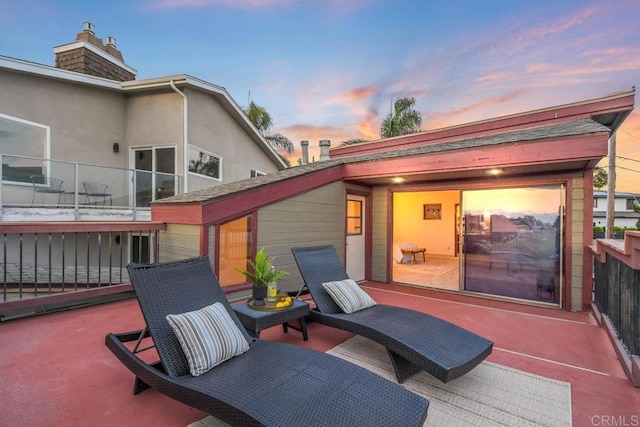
[413,252]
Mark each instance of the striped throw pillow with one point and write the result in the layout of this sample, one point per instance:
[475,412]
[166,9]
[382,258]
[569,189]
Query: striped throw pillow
[348,295]
[208,337]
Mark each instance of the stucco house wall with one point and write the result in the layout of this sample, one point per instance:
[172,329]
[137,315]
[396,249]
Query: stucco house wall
[84,120]
[211,128]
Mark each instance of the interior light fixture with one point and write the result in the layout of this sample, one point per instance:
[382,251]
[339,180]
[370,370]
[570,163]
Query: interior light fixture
[397,180]
[494,171]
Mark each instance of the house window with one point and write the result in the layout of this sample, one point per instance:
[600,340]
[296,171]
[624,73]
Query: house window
[24,145]
[630,204]
[354,217]
[255,173]
[595,202]
[235,249]
[204,163]
[154,176]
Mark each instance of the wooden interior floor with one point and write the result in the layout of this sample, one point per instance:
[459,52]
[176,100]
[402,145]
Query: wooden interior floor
[56,371]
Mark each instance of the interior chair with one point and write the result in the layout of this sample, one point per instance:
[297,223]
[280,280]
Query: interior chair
[95,191]
[269,383]
[414,340]
[46,185]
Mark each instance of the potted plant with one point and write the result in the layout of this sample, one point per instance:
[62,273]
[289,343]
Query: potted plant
[261,273]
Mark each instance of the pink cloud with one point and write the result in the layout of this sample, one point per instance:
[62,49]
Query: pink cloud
[357,94]
[470,112]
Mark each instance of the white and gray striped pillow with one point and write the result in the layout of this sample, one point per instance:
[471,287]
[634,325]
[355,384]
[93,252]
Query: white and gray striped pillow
[208,337]
[348,295]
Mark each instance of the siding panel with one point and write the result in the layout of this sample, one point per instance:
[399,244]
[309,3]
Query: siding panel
[309,219]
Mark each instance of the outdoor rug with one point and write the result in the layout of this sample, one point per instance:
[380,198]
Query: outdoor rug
[489,395]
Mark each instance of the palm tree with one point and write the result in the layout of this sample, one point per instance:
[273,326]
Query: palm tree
[261,119]
[404,119]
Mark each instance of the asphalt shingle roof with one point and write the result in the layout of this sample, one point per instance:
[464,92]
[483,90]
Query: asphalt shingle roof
[558,130]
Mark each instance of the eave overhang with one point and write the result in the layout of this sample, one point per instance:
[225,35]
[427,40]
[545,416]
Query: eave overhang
[546,150]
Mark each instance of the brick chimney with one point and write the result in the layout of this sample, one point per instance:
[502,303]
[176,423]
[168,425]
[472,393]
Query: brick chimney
[88,55]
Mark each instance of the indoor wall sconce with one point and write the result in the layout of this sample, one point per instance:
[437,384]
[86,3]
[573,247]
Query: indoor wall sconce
[116,147]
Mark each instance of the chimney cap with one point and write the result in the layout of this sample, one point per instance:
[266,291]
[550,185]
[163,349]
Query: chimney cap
[89,28]
[111,41]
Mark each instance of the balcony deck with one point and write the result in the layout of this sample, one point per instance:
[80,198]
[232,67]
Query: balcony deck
[56,370]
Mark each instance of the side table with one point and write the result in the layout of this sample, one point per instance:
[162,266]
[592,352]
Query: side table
[254,321]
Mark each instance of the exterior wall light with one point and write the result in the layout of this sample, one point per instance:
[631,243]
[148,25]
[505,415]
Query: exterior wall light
[494,171]
[397,180]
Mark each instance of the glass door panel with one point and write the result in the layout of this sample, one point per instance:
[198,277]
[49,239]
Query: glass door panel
[511,242]
[150,165]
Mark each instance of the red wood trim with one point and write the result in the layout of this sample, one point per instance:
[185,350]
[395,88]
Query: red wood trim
[506,155]
[567,265]
[204,240]
[228,207]
[216,245]
[79,226]
[178,213]
[63,298]
[390,236]
[627,250]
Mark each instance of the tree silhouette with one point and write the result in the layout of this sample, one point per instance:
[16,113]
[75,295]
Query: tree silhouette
[261,119]
[403,120]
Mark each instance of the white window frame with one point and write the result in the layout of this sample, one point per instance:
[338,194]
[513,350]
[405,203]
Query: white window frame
[256,173]
[208,153]
[47,142]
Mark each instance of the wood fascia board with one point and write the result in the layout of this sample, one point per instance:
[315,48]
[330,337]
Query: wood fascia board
[581,110]
[556,150]
[177,213]
[79,226]
[230,206]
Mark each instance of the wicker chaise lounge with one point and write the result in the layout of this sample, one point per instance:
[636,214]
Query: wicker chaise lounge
[415,341]
[271,383]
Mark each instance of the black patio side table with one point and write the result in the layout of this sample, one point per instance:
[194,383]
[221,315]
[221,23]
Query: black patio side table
[254,320]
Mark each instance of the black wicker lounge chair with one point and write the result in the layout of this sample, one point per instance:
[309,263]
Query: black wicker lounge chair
[271,384]
[415,341]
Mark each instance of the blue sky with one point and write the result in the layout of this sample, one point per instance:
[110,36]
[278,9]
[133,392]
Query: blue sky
[331,69]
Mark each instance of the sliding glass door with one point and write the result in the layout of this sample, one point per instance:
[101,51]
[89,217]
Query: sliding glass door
[511,242]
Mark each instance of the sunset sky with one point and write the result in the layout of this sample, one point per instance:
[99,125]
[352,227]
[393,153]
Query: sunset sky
[331,69]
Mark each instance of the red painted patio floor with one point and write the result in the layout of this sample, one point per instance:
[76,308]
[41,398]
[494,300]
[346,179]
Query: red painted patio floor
[56,371]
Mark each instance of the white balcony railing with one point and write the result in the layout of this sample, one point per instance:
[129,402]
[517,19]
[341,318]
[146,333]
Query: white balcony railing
[74,188]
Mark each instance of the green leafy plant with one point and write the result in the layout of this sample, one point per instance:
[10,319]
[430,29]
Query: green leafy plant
[259,272]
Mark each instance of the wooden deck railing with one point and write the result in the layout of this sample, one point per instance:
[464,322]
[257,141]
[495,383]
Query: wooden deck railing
[616,297]
[47,265]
